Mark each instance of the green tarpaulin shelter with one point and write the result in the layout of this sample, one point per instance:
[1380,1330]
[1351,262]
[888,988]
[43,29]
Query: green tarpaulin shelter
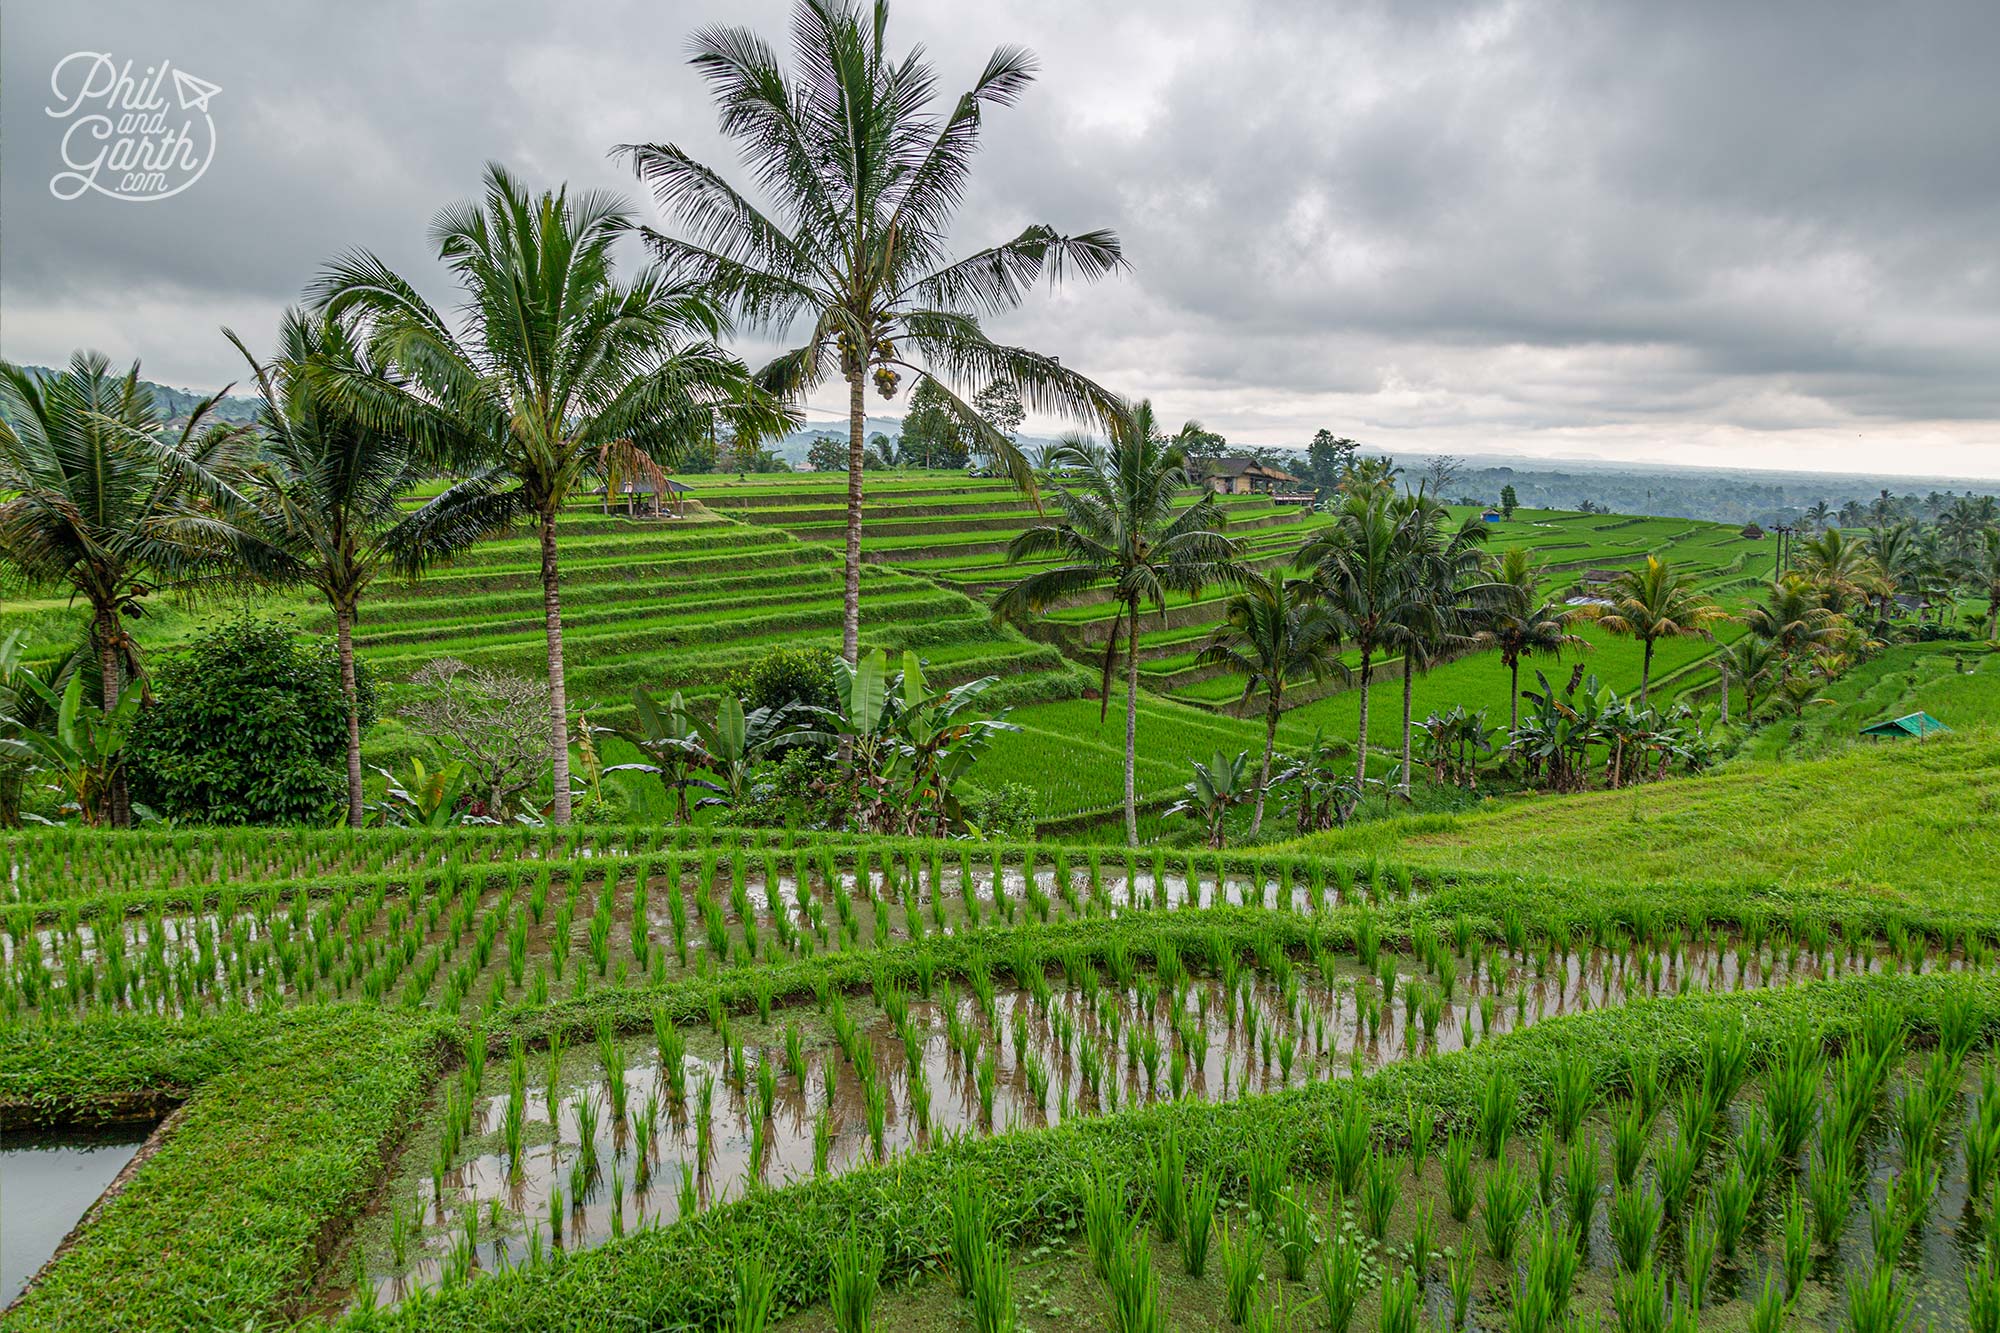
[1910,724]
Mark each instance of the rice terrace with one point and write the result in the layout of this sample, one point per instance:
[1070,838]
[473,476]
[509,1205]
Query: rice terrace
[535,810]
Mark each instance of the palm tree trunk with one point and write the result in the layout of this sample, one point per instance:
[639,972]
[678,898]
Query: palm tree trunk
[1271,711]
[558,693]
[343,623]
[1361,743]
[1724,673]
[1513,697]
[1409,672]
[1992,610]
[1645,675]
[109,643]
[1131,725]
[850,609]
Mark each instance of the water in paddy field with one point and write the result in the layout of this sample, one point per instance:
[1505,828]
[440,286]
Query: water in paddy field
[504,941]
[1077,1050]
[48,1180]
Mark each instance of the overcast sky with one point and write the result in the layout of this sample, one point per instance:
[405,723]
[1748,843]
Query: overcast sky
[1726,234]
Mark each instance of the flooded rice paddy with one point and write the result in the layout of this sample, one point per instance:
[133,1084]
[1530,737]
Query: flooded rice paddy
[499,1179]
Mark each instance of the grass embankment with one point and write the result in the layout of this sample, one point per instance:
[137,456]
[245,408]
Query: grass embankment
[1908,822]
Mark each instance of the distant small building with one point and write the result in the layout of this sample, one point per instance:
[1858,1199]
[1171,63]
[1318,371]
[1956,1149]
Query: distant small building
[1753,532]
[1490,516]
[1597,580]
[1918,725]
[652,490]
[1245,476]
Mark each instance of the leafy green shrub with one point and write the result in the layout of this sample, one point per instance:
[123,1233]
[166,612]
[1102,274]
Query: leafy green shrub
[789,676]
[1006,813]
[248,726]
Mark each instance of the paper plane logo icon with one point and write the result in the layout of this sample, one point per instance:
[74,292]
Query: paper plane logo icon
[194,93]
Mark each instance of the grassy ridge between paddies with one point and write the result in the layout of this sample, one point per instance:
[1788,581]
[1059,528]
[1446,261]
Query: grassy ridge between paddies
[288,1118]
[1031,1182]
[286,1128]
[1908,822]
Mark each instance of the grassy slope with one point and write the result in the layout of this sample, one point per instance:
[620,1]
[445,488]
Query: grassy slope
[1897,820]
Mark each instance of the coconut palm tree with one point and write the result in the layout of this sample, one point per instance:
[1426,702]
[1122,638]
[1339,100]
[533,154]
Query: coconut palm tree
[865,176]
[1895,558]
[1119,530]
[1656,602]
[1359,564]
[1983,570]
[1446,579]
[1795,619]
[1839,566]
[1274,635]
[1521,624]
[553,358]
[328,488]
[105,499]
[1750,661]
[1818,515]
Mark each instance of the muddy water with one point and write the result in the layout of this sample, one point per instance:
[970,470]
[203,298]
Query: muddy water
[1273,1035]
[47,1182]
[210,961]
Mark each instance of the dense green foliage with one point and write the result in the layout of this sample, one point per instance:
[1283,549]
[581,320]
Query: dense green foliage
[248,725]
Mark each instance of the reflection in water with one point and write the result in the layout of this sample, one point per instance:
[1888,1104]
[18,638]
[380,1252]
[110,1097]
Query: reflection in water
[861,1080]
[51,1179]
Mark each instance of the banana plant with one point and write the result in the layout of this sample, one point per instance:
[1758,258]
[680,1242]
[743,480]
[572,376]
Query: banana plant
[81,746]
[671,742]
[907,743]
[736,744]
[424,798]
[1219,786]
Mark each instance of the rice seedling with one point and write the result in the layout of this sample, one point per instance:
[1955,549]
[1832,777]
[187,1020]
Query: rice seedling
[1135,1295]
[1639,1298]
[1421,1124]
[1458,1186]
[1380,1188]
[1573,1091]
[1767,1312]
[1643,1084]
[1423,1236]
[1499,1107]
[1982,1293]
[1629,1135]
[1581,1183]
[1791,1090]
[687,1195]
[1459,1276]
[1635,1225]
[1340,1270]
[1794,1250]
[1698,1244]
[1503,1202]
[1830,1185]
[1169,1181]
[1401,1303]
[756,1285]
[1889,1224]
[1674,1169]
[1350,1144]
[990,1290]
[1294,1233]
[1198,1223]
[1876,1301]
[1103,1217]
[1546,1158]
[1731,1198]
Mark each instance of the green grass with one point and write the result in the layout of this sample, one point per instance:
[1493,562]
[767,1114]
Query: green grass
[1912,823]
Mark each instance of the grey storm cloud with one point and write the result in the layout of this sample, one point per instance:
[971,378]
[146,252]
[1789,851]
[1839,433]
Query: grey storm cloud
[1691,232]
